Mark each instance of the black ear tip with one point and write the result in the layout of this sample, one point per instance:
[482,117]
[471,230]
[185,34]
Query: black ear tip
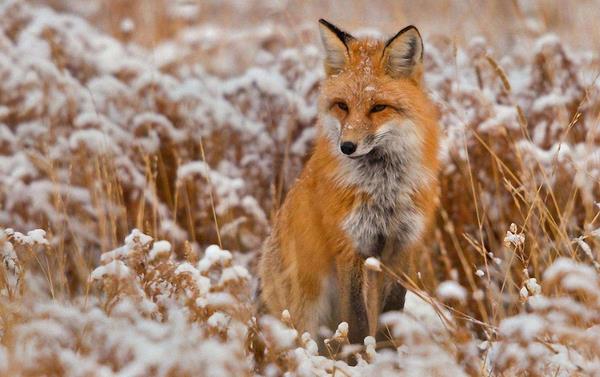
[404,30]
[410,27]
[342,35]
[324,22]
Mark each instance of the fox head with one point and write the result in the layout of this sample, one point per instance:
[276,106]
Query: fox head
[372,97]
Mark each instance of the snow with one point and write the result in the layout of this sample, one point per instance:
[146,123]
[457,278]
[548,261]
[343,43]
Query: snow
[530,288]
[525,326]
[142,343]
[218,320]
[137,238]
[37,236]
[546,40]
[505,117]
[159,248]
[234,273]
[341,331]
[451,290]
[373,264]
[578,275]
[33,237]
[10,260]
[214,255]
[127,25]
[93,140]
[95,131]
[524,293]
[282,336]
[115,268]
[586,248]
[118,253]
[221,300]
[550,100]
[512,238]
[533,287]
[424,312]
[202,282]
[310,345]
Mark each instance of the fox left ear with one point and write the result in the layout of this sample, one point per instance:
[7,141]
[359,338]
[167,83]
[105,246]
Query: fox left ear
[403,54]
[335,42]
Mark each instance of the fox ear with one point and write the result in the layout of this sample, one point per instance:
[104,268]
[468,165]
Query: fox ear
[403,54]
[335,42]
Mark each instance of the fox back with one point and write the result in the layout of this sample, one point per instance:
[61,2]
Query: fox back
[369,188]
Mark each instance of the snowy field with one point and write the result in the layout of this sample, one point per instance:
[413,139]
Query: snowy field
[144,147]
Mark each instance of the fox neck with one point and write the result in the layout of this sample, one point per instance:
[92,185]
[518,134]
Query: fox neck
[390,174]
[380,174]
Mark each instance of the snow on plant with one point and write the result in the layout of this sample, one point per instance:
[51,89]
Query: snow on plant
[451,290]
[373,264]
[109,107]
[559,331]
[513,238]
[137,162]
[153,315]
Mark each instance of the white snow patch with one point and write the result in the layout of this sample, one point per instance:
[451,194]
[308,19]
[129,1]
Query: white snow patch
[451,290]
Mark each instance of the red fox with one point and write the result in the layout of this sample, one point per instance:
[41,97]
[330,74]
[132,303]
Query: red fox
[368,190]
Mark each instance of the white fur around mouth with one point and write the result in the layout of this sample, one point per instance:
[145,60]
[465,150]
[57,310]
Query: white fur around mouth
[356,157]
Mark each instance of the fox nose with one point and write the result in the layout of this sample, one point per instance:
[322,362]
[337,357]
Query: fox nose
[348,147]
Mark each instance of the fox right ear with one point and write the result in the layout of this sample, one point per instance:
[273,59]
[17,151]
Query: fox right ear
[335,42]
[403,54]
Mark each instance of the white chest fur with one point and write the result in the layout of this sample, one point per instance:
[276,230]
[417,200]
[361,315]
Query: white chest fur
[390,174]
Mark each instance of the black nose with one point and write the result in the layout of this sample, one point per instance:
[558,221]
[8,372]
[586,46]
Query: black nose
[348,147]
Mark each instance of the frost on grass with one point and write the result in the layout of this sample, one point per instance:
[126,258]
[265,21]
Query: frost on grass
[160,248]
[152,320]
[114,268]
[559,332]
[116,116]
[147,322]
[451,290]
[98,137]
[513,238]
[33,237]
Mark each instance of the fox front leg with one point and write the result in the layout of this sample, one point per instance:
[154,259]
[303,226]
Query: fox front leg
[359,318]
[365,294]
[394,296]
[352,304]
[399,261]
[375,289]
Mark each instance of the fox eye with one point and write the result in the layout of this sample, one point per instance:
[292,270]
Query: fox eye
[342,106]
[378,108]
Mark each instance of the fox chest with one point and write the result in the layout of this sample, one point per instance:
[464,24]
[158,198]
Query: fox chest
[390,215]
[371,225]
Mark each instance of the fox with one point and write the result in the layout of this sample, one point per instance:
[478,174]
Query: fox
[369,188]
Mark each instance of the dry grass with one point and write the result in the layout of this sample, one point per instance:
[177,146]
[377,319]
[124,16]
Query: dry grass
[195,139]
